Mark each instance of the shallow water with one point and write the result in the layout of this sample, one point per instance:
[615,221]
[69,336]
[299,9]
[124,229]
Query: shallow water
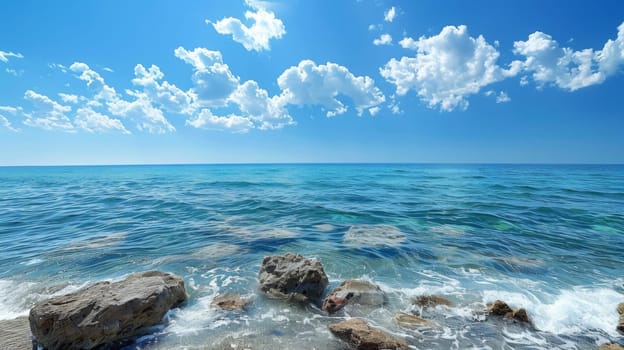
[547,238]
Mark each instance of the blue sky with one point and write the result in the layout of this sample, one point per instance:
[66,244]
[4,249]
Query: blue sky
[118,82]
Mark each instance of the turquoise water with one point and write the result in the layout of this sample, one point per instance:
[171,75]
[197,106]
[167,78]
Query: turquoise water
[547,238]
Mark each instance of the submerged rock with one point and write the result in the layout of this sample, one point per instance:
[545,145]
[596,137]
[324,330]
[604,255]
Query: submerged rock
[360,335]
[500,308]
[431,301]
[15,334]
[373,236]
[230,302]
[611,346]
[353,291]
[105,313]
[292,276]
[411,321]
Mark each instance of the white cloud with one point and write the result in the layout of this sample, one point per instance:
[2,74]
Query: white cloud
[68,98]
[549,63]
[447,68]
[390,14]
[92,121]
[384,39]
[147,117]
[5,123]
[164,94]
[206,120]
[409,43]
[373,27]
[14,72]
[141,109]
[374,110]
[502,97]
[58,66]
[312,84]
[267,112]
[265,27]
[47,113]
[213,80]
[107,69]
[4,56]
[104,93]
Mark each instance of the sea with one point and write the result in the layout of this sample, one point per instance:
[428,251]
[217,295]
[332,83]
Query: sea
[547,238]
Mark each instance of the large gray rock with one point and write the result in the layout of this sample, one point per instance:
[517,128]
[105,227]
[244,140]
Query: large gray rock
[360,335]
[15,334]
[292,276]
[105,312]
[353,291]
[230,302]
[611,346]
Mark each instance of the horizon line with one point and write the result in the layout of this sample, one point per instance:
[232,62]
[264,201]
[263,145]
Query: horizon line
[303,163]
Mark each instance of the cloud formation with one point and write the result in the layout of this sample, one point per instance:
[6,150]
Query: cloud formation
[390,14]
[384,39]
[47,113]
[447,68]
[549,63]
[4,56]
[312,84]
[265,27]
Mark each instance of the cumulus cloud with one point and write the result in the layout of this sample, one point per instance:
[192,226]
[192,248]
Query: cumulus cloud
[162,93]
[502,97]
[323,85]
[549,63]
[93,122]
[68,98]
[390,14]
[47,113]
[384,39]
[265,27]
[141,109]
[213,80]
[206,120]
[5,123]
[4,56]
[447,68]
[254,102]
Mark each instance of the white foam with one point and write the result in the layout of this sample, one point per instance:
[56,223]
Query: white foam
[34,261]
[16,298]
[572,311]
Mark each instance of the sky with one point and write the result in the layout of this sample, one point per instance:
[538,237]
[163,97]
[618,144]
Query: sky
[159,82]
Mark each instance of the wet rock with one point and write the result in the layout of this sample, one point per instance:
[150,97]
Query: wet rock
[355,292]
[500,308]
[230,302]
[611,346]
[15,334]
[105,313]
[411,321]
[431,301]
[360,335]
[620,310]
[292,276]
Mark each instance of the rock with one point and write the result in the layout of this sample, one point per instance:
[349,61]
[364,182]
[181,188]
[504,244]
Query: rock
[360,335]
[620,310]
[611,346]
[230,302]
[521,315]
[15,334]
[500,308]
[431,301]
[411,321]
[105,313]
[292,276]
[353,291]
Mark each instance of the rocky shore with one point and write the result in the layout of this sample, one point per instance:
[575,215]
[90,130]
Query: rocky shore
[114,314]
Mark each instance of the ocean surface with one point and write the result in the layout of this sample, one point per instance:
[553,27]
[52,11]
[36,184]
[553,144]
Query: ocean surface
[546,238]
